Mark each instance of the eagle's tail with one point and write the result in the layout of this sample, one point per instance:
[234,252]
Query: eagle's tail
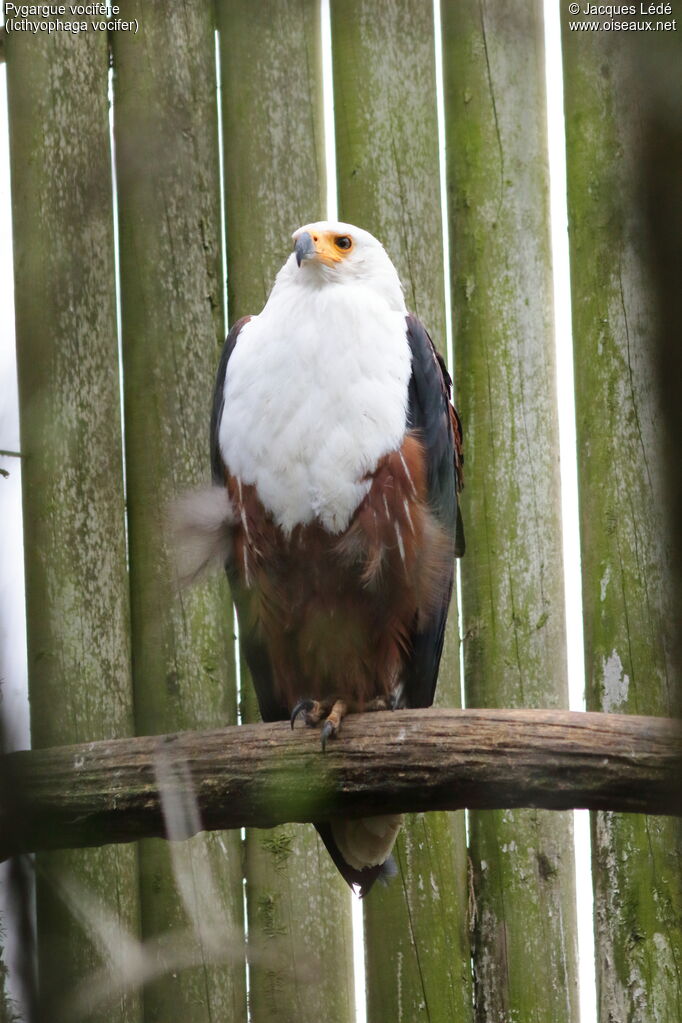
[200,526]
[361,849]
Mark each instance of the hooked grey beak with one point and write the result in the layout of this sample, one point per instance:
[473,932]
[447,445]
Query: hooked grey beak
[304,248]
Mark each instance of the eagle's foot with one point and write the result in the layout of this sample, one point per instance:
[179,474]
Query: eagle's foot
[333,723]
[313,711]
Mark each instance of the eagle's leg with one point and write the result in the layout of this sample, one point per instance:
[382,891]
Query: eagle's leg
[333,722]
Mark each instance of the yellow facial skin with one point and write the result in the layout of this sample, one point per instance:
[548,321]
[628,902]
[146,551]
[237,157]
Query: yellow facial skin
[331,248]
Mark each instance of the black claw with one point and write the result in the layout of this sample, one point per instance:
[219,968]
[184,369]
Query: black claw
[326,732]
[302,705]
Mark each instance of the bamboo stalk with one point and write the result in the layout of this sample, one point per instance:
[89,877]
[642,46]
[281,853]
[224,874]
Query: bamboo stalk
[630,624]
[401,761]
[167,166]
[388,183]
[514,647]
[299,908]
[76,586]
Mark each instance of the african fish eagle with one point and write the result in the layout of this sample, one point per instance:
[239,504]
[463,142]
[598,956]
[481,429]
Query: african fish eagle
[337,455]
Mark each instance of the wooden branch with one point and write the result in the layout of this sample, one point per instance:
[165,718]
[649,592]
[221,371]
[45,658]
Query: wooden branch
[410,760]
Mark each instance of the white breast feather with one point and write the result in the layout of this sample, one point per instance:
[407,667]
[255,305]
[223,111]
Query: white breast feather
[315,394]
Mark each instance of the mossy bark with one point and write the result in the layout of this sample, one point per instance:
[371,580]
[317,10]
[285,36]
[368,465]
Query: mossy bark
[513,604]
[416,936]
[402,761]
[611,89]
[167,166]
[298,906]
[76,586]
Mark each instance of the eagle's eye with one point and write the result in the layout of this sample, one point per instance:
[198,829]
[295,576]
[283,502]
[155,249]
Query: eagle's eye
[343,242]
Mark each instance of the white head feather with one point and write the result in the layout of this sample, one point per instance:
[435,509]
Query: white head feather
[366,264]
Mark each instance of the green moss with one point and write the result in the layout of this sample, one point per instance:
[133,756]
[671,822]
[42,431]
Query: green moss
[268,913]
[278,843]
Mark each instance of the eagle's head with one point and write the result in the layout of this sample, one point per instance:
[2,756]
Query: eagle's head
[331,252]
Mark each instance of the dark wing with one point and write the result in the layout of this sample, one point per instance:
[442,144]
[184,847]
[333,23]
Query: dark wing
[253,649]
[432,415]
